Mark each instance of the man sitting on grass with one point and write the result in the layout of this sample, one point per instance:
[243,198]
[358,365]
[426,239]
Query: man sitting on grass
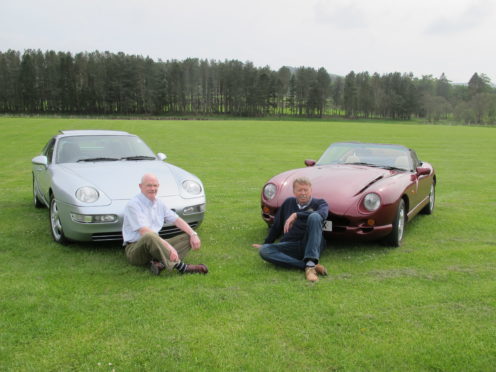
[144,216]
[300,220]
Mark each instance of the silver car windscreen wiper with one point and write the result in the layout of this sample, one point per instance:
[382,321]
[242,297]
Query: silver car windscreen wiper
[138,157]
[98,159]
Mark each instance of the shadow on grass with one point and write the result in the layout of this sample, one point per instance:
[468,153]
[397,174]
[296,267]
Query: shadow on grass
[352,246]
[95,246]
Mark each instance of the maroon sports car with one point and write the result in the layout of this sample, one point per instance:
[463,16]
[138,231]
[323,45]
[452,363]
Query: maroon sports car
[372,189]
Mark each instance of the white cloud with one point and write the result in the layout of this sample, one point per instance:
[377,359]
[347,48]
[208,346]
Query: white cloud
[340,14]
[472,17]
[421,36]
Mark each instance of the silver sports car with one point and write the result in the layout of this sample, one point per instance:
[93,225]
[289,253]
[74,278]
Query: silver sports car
[86,177]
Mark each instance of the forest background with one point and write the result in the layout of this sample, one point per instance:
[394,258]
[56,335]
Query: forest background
[104,83]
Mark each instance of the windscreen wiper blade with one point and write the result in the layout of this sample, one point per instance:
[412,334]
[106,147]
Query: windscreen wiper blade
[138,157]
[390,167]
[362,163]
[98,159]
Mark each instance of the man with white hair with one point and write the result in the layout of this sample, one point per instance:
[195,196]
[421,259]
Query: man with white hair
[299,220]
[144,216]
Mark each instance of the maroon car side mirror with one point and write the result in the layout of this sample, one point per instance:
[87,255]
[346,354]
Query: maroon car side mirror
[310,162]
[423,171]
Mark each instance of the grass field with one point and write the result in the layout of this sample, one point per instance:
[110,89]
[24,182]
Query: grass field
[429,305]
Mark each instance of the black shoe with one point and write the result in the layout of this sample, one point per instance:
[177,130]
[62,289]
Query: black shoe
[156,267]
[196,269]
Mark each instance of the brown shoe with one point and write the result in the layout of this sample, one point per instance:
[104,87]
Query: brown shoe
[196,269]
[321,270]
[311,274]
[156,267]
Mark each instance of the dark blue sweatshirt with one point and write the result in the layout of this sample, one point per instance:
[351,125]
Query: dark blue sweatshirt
[297,232]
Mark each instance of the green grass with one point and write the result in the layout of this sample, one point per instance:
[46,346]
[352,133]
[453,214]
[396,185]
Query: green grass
[428,305]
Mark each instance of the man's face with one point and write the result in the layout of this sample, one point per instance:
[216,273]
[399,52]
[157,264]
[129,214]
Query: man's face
[149,187]
[302,193]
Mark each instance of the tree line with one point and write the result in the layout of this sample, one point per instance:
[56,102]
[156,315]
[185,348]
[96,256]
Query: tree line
[103,83]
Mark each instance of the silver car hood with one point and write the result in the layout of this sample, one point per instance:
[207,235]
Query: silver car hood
[120,179]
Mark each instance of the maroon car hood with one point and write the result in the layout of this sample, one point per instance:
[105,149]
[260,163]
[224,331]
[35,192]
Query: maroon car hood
[337,184]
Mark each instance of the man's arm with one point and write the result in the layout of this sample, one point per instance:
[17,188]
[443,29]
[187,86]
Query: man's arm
[280,219]
[275,230]
[194,239]
[320,206]
[323,209]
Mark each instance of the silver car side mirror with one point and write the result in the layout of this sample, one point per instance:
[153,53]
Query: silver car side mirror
[40,160]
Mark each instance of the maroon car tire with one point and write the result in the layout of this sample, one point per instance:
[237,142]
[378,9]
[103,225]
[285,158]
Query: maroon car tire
[429,208]
[394,239]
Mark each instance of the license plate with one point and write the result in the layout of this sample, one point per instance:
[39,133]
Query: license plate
[327,226]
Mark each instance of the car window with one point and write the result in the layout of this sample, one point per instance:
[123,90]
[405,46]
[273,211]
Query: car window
[48,150]
[336,153]
[415,159]
[86,148]
[367,154]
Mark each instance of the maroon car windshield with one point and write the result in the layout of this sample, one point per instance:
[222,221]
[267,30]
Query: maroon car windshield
[378,155]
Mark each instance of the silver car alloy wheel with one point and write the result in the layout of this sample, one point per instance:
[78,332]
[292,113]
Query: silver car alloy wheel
[57,231]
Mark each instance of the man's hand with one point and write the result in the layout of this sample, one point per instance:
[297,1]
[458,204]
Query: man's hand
[194,239]
[258,246]
[173,256]
[289,222]
[195,242]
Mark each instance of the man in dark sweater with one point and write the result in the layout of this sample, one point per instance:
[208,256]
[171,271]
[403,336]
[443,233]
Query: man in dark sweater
[299,220]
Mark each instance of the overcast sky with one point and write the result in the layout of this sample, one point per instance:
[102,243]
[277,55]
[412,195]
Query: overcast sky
[425,37]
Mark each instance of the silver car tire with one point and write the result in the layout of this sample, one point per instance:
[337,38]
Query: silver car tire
[55,224]
[394,239]
[36,200]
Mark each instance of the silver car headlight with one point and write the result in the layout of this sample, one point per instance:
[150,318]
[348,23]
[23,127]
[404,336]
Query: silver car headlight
[269,191]
[372,202]
[192,187]
[87,194]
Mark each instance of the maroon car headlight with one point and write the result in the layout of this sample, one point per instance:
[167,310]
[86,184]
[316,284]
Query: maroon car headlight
[372,202]
[269,191]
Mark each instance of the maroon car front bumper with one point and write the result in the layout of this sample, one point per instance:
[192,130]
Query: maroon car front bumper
[365,229]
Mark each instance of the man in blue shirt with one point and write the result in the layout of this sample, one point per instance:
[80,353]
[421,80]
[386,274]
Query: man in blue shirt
[299,220]
[144,216]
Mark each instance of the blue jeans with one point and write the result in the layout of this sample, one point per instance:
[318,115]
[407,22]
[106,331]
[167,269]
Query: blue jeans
[295,254]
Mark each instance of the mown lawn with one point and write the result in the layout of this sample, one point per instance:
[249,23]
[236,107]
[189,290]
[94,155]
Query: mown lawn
[428,305]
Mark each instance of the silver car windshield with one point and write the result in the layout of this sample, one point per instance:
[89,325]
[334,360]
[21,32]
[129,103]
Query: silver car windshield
[375,155]
[101,148]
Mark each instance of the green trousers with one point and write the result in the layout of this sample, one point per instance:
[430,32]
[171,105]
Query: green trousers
[150,247]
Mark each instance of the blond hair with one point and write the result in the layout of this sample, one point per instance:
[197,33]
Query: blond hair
[302,181]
